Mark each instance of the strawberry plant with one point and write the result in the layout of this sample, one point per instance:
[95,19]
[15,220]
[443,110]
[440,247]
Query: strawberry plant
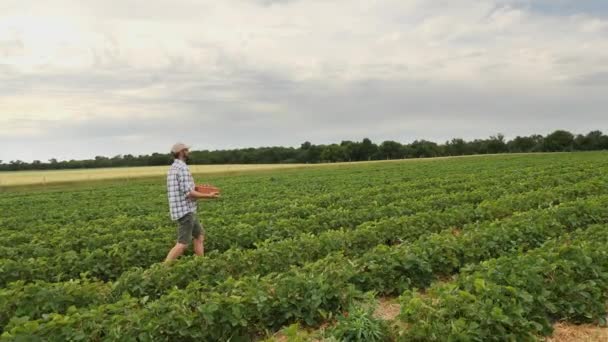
[521,236]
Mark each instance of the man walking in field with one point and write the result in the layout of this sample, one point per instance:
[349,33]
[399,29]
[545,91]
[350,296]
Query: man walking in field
[182,204]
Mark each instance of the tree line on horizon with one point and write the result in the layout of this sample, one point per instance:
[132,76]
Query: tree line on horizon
[558,141]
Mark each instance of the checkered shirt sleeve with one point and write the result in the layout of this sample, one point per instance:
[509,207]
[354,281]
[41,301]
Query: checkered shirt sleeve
[179,184]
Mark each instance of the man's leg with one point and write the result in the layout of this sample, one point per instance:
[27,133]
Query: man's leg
[199,245]
[198,233]
[184,236]
[176,252]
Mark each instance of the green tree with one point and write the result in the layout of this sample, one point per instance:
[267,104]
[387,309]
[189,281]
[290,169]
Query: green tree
[367,149]
[523,144]
[306,145]
[591,141]
[497,144]
[422,149]
[390,150]
[333,153]
[559,140]
[352,150]
[456,147]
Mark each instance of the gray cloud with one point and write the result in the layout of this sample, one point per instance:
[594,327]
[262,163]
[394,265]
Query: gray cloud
[380,110]
[562,7]
[599,78]
[259,73]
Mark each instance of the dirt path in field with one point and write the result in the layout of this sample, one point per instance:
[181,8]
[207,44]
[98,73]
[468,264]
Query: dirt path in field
[578,333]
[388,309]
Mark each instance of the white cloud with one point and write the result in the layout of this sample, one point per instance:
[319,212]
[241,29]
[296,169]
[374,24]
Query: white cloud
[594,25]
[275,61]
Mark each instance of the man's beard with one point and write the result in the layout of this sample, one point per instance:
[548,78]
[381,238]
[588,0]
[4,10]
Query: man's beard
[186,158]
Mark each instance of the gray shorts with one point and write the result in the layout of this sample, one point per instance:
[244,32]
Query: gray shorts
[189,227]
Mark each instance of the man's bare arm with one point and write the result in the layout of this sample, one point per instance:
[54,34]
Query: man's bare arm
[199,195]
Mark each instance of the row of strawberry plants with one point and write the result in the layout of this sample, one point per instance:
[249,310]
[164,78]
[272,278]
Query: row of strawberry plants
[108,202]
[390,270]
[49,246]
[251,305]
[516,297]
[351,198]
[278,256]
[91,201]
[224,235]
[104,262]
[110,261]
[349,217]
[353,201]
[399,266]
[237,309]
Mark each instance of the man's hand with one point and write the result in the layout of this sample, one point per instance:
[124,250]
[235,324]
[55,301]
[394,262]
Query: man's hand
[214,195]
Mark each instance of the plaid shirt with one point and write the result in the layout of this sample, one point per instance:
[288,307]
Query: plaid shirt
[179,184]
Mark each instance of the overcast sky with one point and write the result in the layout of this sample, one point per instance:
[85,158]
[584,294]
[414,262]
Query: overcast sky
[83,78]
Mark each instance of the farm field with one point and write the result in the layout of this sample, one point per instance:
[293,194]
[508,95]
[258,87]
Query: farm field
[60,177]
[466,249]
[13,178]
